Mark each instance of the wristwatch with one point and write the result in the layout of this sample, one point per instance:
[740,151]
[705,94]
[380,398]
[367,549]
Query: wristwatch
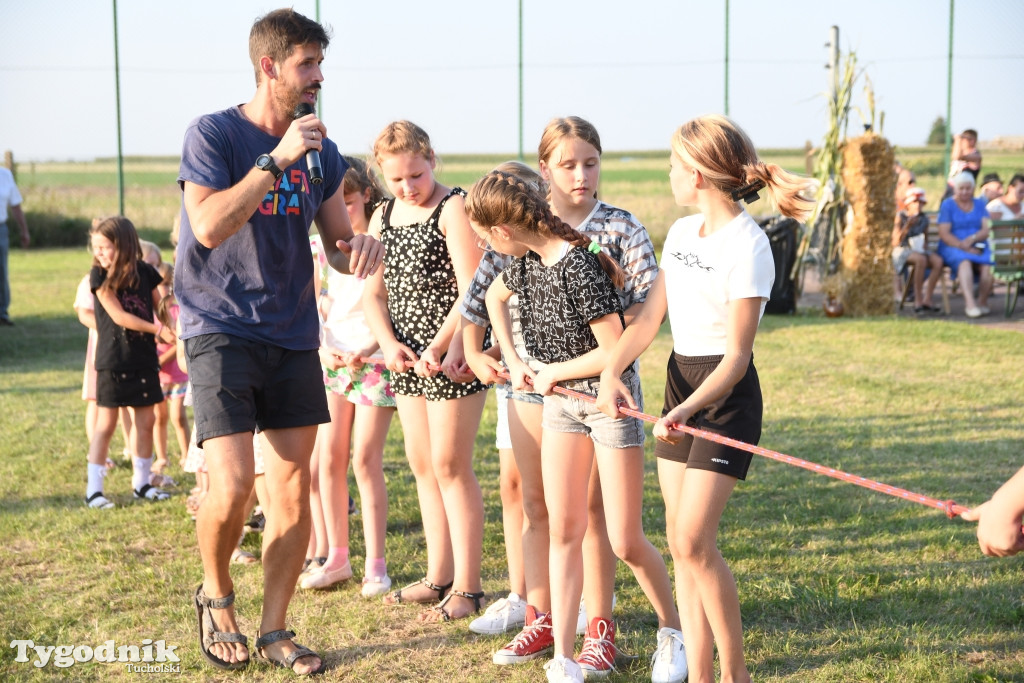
[265,162]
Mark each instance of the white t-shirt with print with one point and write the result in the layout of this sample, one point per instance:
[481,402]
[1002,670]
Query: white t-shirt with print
[1005,212]
[703,274]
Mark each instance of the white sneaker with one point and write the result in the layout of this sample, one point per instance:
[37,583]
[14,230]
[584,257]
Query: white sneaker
[973,312]
[985,310]
[561,669]
[502,615]
[668,665]
[375,585]
[581,618]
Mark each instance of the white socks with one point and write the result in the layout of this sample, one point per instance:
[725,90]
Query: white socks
[96,474]
[141,472]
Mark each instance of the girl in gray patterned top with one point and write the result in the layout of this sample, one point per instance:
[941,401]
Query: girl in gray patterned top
[570,311]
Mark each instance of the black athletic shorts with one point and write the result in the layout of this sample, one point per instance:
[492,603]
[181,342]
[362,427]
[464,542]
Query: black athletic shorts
[736,415]
[239,385]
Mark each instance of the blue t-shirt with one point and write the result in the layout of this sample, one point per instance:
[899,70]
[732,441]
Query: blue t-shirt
[257,284]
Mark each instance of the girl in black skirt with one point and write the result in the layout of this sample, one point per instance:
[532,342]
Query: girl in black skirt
[127,367]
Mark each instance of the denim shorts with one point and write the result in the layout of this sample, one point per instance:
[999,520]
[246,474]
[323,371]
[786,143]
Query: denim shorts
[239,385]
[526,397]
[575,415]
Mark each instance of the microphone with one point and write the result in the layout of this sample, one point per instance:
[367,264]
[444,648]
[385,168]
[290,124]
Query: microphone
[316,171]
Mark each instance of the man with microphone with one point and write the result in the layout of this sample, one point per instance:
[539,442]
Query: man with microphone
[243,278]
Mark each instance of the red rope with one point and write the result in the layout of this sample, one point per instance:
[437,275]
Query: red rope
[951,508]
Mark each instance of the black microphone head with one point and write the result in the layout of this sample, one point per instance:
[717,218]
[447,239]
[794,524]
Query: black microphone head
[302,109]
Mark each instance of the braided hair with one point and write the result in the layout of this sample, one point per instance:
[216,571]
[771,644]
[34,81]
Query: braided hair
[505,199]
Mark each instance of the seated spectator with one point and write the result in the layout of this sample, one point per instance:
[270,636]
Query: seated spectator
[991,187]
[1008,206]
[963,235]
[909,246]
[904,181]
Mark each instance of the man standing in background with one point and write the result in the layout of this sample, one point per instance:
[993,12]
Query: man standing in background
[10,202]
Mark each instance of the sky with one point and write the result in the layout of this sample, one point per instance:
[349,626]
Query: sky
[636,70]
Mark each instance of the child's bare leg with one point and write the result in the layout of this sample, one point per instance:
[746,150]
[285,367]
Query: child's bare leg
[412,410]
[161,415]
[451,453]
[525,430]
[623,481]
[567,476]
[370,432]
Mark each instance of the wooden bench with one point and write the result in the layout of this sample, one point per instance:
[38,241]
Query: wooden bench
[1007,240]
[931,244]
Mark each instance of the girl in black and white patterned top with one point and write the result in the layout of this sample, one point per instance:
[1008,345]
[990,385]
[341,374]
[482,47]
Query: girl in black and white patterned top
[571,316]
[429,259]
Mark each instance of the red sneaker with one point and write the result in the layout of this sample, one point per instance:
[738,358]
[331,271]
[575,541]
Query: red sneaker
[535,640]
[598,655]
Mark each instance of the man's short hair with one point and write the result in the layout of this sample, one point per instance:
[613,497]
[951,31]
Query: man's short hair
[278,33]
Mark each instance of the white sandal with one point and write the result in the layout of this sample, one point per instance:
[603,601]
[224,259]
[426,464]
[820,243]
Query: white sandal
[98,501]
[148,492]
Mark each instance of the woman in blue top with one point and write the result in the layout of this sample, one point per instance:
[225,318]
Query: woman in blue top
[963,243]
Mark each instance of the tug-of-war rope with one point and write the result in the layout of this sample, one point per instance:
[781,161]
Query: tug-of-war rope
[951,508]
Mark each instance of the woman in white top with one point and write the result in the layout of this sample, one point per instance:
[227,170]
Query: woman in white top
[1009,205]
[718,267]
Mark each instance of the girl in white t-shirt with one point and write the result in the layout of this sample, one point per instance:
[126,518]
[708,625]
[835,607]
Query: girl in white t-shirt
[718,266]
[362,404]
[1010,205]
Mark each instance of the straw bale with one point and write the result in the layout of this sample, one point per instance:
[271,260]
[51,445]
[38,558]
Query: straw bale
[865,277]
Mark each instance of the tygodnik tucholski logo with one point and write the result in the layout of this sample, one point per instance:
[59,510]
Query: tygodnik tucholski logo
[151,656]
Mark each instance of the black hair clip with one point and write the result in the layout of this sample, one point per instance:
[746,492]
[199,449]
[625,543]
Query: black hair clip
[748,192]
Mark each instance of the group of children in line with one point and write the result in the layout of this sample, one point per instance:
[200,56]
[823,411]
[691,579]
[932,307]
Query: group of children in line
[571,290]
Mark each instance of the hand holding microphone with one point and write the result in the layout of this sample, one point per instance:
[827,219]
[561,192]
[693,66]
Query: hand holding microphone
[316,171]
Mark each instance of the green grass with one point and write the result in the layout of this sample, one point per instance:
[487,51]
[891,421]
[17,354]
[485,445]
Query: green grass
[837,583]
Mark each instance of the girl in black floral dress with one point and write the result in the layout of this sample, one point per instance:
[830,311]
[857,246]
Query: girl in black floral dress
[430,257]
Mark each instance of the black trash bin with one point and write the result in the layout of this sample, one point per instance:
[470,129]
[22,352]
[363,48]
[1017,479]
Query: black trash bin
[784,235]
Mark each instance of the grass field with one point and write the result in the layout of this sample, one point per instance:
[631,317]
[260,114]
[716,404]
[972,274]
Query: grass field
[837,583]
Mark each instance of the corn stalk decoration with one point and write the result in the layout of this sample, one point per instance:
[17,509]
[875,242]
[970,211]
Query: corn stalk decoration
[822,242]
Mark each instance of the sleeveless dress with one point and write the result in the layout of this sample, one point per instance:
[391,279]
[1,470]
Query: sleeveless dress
[420,281]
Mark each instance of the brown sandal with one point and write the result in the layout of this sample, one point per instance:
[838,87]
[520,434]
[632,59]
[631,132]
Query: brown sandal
[397,599]
[208,633]
[446,616]
[290,659]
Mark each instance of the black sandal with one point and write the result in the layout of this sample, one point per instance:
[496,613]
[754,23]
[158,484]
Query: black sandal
[290,659]
[441,591]
[208,633]
[475,597]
